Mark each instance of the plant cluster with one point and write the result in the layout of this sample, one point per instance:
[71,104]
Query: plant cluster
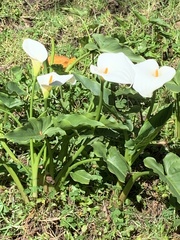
[61,142]
[78,134]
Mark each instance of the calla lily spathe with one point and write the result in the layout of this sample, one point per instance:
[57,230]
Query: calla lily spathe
[47,81]
[149,77]
[37,52]
[114,67]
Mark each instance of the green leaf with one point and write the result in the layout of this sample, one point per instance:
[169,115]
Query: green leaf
[109,44]
[94,87]
[117,164]
[174,85]
[14,87]
[152,127]
[171,163]
[9,101]
[75,121]
[169,173]
[91,46]
[150,162]
[83,177]
[17,73]
[99,149]
[36,129]
[147,133]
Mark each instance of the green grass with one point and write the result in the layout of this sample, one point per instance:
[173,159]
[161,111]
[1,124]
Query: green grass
[78,214]
[91,212]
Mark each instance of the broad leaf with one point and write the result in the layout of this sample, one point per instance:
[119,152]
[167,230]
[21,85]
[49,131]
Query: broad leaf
[14,87]
[94,87]
[152,127]
[99,149]
[36,129]
[75,121]
[91,46]
[169,173]
[10,101]
[171,164]
[117,164]
[109,44]
[84,177]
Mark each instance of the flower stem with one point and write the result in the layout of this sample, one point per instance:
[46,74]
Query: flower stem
[32,97]
[177,116]
[98,115]
[17,182]
[45,104]
[130,184]
[34,170]
[70,66]
[13,117]
[52,54]
[151,106]
[12,156]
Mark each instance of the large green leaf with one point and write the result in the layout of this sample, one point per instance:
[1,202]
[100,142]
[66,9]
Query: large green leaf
[169,172]
[75,121]
[10,101]
[171,163]
[84,177]
[152,127]
[14,87]
[99,149]
[110,44]
[94,87]
[36,129]
[117,164]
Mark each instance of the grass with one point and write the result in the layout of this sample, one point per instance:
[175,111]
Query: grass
[90,212]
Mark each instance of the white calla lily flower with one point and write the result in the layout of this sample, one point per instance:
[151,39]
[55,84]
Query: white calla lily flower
[36,51]
[149,77]
[114,67]
[47,81]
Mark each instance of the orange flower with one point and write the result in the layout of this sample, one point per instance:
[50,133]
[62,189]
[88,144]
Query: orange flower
[62,60]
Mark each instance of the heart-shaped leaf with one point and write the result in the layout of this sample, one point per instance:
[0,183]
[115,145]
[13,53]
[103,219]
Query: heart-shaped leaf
[10,101]
[36,129]
[75,121]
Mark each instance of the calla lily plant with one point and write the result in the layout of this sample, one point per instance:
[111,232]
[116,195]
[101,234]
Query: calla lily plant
[87,134]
